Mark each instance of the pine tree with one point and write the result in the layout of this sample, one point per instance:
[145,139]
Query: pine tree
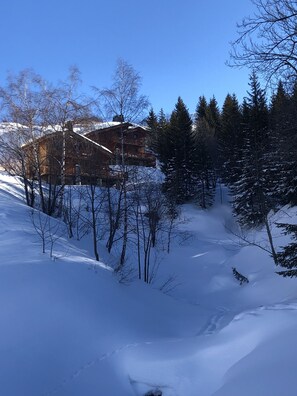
[230,140]
[159,137]
[214,124]
[213,116]
[152,123]
[252,200]
[281,164]
[287,258]
[279,108]
[201,109]
[289,149]
[206,120]
[163,140]
[179,168]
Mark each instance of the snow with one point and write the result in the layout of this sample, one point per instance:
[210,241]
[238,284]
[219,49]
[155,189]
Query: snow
[108,124]
[68,327]
[7,127]
[91,141]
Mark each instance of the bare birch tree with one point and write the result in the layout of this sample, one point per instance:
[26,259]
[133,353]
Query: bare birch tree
[151,214]
[36,108]
[124,101]
[24,103]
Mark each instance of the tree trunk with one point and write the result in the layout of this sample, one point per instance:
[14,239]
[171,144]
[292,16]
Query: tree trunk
[268,230]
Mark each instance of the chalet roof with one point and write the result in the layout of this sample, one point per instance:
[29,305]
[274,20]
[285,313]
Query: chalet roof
[92,141]
[81,129]
[112,124]
[104,125]
[79,136]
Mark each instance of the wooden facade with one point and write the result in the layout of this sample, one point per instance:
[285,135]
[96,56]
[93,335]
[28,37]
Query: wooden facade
[125,140]
[69,157]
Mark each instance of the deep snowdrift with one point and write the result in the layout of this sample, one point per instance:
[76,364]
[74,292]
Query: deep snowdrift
[68,327]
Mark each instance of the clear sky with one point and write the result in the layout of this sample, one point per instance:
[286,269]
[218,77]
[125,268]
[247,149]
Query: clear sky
[178,47]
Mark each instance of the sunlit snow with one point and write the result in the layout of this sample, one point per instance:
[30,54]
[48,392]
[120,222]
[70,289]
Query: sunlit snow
[70,328]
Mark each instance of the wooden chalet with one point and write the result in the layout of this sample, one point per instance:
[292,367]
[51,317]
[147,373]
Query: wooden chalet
[69,158]
[78,157]
[124,140]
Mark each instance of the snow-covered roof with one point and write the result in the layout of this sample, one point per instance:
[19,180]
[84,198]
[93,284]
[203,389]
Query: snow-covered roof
[6,127]
[92,141]
[104,125]
[80,129]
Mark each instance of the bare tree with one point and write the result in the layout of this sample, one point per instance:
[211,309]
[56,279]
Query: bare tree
[151,217]
[35,109]
[114,212]
[14,161]
[67,107]
[93,200]
[24,103]
[81,227]
[123,98]
[40,224]
[124,102]
[69,214]
[48,229]
[267,40]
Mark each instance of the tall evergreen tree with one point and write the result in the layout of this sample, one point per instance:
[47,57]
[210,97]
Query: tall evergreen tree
[279,124]
[252,188]
[152,123]
[159,136]
[230,140]
[287,258]
[206,119]
[201,109]
[279,108]
[253,199]
[179,169]
[213,116]
[214,124]
[289,149]
[163,139]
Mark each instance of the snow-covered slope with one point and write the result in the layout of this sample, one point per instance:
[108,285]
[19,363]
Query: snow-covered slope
[68,327]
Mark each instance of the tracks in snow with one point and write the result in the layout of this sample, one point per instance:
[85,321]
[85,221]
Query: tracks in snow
[91,363]
[217,322]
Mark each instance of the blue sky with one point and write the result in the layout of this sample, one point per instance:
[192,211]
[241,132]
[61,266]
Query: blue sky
[178,47]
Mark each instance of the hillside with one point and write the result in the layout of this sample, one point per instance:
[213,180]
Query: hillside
[70,328]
